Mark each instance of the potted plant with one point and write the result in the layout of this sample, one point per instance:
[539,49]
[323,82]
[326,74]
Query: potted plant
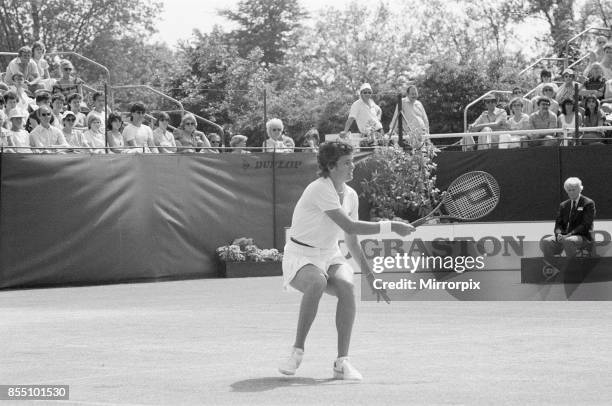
[242,258]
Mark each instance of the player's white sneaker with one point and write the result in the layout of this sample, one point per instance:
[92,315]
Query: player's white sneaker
[344,370]
[291,364]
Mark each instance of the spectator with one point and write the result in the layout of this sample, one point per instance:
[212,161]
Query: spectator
[136,134]
[161,136]
[415,123]
[98,108]
[539,120]
[492,119]
[24,65]
[68,84]
[93,136]
[44,80]
[548,91]
[10,102]
[188,137]
[114,137]
[566,90]
[74,105]
[17,137]
[517,121]
[598,54]
[567,121]
[592,118]
[527,105]
[3,130]
[310,141]
[288,142]
[46,138]
[238,144]
[57,108]
[595,84]
[215,142]
[24,101]
[2,109]
[73,137]
[606,61]
[42,99]
[545,79]
[364,112]
[277,141]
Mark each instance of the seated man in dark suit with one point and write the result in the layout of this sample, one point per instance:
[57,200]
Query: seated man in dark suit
[574,223]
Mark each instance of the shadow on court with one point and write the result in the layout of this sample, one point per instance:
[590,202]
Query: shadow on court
[275,382]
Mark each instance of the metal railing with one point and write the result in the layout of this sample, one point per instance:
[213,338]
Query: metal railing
[537,62]
[490,92]
[582,33]
[152,90]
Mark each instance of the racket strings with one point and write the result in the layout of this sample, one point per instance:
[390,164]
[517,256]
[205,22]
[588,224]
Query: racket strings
[472,196]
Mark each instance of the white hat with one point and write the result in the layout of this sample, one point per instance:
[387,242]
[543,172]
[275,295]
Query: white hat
[364,87]
[67,113]
[17,113]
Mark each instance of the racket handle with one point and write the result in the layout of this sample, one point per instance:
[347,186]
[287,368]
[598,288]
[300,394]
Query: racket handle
[420,221]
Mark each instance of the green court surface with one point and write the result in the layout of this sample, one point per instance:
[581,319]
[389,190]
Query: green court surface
[218,342]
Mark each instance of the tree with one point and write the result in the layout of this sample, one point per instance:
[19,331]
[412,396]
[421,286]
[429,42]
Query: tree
[99,29]
[212,80]
[267,24]
[596,13]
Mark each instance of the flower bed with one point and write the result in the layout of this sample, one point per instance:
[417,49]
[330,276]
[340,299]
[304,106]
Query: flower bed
[242,258]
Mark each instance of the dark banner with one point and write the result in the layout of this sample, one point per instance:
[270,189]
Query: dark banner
[531,179]
[109,218]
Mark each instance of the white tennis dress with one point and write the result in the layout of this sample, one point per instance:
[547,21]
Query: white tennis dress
[310,225]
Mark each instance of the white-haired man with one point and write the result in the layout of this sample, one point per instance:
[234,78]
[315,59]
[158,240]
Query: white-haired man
[574,223]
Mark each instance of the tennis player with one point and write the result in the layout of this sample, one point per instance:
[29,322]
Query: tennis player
[312,262]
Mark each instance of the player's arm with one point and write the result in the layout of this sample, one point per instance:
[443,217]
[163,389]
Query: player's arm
[348,124]
[357,227]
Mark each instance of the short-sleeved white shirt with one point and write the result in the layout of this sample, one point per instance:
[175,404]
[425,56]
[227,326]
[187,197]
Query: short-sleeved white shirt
[141,135]
[311,225]
[366,115]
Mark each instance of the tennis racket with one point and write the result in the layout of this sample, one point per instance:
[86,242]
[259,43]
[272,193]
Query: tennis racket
[471,196]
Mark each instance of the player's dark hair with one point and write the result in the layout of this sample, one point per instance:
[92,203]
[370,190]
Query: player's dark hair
[329,153]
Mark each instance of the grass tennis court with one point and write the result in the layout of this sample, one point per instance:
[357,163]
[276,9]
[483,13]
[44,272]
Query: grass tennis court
[218,342]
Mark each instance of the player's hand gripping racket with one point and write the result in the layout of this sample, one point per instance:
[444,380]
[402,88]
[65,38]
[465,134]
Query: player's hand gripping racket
[471,196]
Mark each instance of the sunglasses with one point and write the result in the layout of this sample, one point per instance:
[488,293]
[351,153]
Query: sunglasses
[276,129]
[366,92]
[69,119]
[45,114]
[67,69]
[544,104]
[186,124]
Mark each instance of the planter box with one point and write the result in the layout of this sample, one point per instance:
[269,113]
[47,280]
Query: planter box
[248,269]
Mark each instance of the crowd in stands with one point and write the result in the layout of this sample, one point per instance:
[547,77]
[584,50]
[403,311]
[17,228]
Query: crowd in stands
[551,107]
[42,114]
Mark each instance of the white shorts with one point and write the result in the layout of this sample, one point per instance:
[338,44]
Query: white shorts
[297,256]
